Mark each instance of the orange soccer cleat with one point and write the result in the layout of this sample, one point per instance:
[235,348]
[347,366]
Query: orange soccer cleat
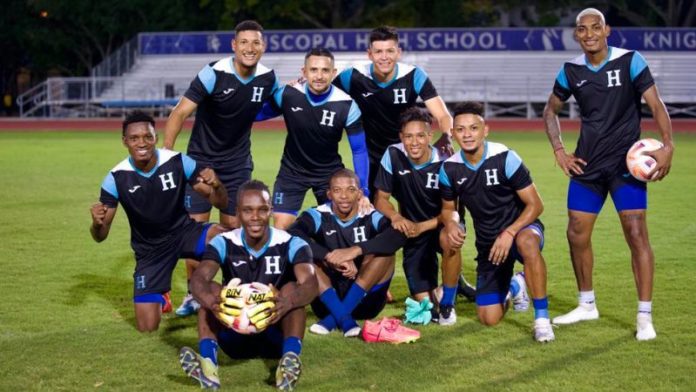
[388,330]
[167,305]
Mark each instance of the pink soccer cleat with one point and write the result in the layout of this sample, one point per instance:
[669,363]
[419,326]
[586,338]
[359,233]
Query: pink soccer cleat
[388,330]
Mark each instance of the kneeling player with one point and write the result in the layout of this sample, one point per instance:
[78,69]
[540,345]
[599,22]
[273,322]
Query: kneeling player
[150,184]
[254,253]
[353,253]
[495,186]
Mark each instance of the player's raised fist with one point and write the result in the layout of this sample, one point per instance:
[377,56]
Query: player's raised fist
[207,176]
[98,211]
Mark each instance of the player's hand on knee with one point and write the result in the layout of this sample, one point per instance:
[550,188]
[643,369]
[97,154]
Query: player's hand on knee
[455,235]
[501,248]
[663,157]
[403,225]
[98,212]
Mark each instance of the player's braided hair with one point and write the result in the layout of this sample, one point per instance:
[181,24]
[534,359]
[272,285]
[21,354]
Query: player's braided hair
[252,185]
[248,25]
[469,107]
[415,113]
[136,117]
[384,33]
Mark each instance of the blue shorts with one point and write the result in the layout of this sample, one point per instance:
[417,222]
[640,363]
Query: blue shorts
[493,281]
[626,192]
[231,177]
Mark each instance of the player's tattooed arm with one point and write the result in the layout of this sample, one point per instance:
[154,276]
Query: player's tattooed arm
[210,186]
[569,163]
[175,122]
[663,156]
[204,289]
[102,216]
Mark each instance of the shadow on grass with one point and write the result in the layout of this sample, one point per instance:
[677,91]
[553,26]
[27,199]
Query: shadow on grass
[116,291]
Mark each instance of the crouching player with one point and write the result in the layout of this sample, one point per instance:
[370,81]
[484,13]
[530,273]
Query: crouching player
[495,186]
[253,253]
[150,185]
[353,253]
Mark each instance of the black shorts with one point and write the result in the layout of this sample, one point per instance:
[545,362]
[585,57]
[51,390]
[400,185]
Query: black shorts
[230,176]
[493,281]
[267,344]
[370,306]
[420,261]
[289,191]
[153,269]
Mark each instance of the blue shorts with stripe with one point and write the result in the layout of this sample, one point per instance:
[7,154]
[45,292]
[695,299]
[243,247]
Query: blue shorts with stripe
[626,192]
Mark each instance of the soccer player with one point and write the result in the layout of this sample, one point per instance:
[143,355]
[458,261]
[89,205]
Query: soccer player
[491,181]
[259,253]
[150,185]
[354,254]
[316,113]
[384,89]
[409,171]
[608,84]
[226,96]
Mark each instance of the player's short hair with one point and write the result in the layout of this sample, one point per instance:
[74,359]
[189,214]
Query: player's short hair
[469,107]
[590,11]
[248,25]
[346,173]
[252,185]
[136,117]
[384,33]
[323,52]
[415,113]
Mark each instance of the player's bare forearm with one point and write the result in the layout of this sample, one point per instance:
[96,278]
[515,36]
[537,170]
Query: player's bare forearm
[306,289]
[436,106]
[219,197]
[663,156]
[99,233]
[203,288]
[102,216]
[533,207]
[384,206]
[427,225]
[552,123]
[176,120]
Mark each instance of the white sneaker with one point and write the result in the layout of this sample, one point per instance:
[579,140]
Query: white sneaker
[188,306]
[644,327]
[543,331]
[319,329]
[582,313]
[520,302]
[447,315]
[353,332]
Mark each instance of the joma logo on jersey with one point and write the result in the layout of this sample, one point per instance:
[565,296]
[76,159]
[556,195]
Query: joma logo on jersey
[613,78]
[327,118]
[167,181]
[257,95]
[234,292]
[399,95]
[272,265]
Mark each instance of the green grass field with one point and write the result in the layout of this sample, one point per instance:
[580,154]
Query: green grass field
[66,319]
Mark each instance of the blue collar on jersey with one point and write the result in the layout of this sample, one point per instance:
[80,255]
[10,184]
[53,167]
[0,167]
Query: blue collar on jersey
[317,100]
[340,222]
[385,84]
[422,165]
[483,157]
[241,79]
[260,252]
[142,173]
[597,68]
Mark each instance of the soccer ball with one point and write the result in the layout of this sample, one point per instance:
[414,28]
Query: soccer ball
[639,165]
[244,306]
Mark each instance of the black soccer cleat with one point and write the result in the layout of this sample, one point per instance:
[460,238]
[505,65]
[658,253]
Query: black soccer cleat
[464,289]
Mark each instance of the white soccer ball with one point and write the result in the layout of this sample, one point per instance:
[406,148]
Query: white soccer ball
[249,298]
[639,164]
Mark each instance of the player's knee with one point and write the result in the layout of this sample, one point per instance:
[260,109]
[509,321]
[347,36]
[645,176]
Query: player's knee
[490,319]
[527,244]
[577,234]
[147,325]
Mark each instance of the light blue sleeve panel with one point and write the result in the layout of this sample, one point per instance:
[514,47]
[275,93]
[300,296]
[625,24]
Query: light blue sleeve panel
[218,242]
[376,217]
[353,114]
[276,85]
[296,243]
[109,185]
[419,79]
[386,161]
[278,96]
[207,78]
[316,216]
[344,78]
[562,79]
[638,64]
[512,163]
[444,179]
[189,165]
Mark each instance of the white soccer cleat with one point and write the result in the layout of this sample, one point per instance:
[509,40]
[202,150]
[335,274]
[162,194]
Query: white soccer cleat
[319,329]
[447,315]
[644,328]
[353,332]
[188,307]
[520,302]
[581,313]
[543,331]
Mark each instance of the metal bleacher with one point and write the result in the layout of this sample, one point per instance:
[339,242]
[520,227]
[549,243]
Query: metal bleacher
[509,83]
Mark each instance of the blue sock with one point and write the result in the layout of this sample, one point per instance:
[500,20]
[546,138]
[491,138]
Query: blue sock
[514,287]
[292,344]
[330,299]
[353,298]
[541,307]
[208,349]
[448,293]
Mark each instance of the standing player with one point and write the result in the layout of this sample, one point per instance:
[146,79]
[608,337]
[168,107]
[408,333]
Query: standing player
[409,171]
[254,253]
[608,84]
[495,186]
[386,88]
[226,96]
[150,185]
[353,252]
[316,113]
